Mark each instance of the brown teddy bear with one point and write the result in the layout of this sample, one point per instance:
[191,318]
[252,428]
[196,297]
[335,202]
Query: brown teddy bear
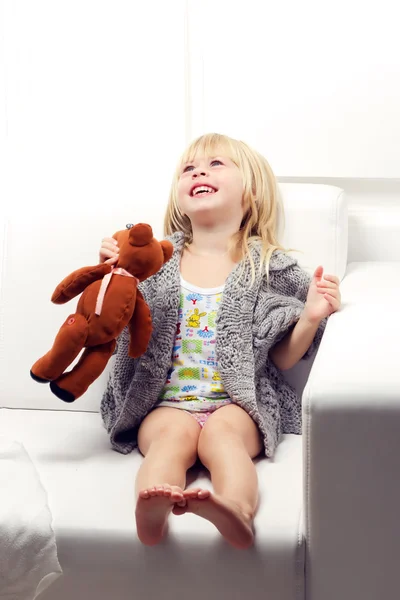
[110,301]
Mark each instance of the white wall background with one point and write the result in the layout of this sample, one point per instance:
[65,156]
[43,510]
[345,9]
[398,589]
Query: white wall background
[2,104]
[93,106]
[98,98]
[315,85]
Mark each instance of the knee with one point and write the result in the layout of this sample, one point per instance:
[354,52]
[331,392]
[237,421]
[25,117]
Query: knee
[215,436]
[178,435]
[179,442]
[169,438]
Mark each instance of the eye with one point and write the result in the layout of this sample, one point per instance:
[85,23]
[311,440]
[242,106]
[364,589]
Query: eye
[186,169]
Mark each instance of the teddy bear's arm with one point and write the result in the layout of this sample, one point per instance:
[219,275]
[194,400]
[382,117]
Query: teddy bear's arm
[77,281]
[140,327]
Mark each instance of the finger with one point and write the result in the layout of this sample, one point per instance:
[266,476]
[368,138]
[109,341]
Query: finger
[110,246]
[328,284]
[109,240]
[332,278]
[325,290]
[108,253]
[318,272]
[111,261]
[335,304]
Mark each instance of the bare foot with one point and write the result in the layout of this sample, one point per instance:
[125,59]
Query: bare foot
[152,510]
[230,520]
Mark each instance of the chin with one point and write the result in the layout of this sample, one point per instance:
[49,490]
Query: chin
[207,217]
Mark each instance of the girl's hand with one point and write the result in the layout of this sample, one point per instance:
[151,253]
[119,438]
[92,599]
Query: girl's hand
[323,296]
[109,251]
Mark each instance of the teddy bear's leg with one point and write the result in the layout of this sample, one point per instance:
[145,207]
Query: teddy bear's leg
[68,343]
[140,327]
[92,363]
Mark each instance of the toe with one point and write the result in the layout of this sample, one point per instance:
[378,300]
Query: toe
[191,493]
[197,494]
[176,496]
[204,494]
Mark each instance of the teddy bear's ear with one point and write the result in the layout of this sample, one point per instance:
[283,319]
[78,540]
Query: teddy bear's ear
[167,249]
[140,234]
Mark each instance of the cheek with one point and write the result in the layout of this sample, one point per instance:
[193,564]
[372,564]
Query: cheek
[181,198]
[236,186]
[180,190]
[237,192]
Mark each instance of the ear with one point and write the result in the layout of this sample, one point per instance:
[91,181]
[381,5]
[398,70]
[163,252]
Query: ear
[167,249]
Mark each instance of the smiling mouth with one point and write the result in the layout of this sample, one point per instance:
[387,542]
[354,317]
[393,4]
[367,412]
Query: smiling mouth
[203,194]
[203,191]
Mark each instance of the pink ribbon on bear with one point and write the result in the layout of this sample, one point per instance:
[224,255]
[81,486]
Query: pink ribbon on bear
[105,283]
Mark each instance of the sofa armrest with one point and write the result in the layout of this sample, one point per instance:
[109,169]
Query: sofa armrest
[351,426]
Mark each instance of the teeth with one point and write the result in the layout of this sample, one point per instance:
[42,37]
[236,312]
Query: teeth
[202,188]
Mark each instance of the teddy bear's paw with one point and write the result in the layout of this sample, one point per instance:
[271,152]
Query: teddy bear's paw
[39,379]
[60,393]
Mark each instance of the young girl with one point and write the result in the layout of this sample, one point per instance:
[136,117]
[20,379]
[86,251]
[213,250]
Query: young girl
[230,311]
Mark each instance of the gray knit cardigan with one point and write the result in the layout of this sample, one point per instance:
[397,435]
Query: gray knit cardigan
[250,320]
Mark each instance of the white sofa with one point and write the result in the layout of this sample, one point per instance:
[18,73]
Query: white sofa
[328,525]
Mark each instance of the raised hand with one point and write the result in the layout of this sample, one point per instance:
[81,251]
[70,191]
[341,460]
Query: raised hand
[109,251]
[323,298]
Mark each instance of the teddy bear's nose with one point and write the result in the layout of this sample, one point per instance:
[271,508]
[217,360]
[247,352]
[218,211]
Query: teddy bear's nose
[140,234]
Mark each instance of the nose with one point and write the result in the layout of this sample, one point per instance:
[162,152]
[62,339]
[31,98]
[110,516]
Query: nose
[199,172]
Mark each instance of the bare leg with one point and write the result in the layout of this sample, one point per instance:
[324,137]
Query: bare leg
[227,444]
[168,438]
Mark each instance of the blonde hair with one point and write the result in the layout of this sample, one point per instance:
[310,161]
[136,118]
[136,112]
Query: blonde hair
[260,195]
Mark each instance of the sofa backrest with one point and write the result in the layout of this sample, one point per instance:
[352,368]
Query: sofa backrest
[39,250]
[316,224]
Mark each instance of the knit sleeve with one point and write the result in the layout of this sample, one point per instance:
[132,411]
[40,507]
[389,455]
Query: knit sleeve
[274,317]
[290,281]
[287,278]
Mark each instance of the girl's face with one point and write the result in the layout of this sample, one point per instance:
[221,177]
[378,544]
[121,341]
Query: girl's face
[221,202]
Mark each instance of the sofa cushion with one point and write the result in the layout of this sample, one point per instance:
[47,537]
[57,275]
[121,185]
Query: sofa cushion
[351,424]
[91,495]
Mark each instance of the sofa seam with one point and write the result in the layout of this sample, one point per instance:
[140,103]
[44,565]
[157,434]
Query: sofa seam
[341,198]
[300,560]
[307,494]
[2,293]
